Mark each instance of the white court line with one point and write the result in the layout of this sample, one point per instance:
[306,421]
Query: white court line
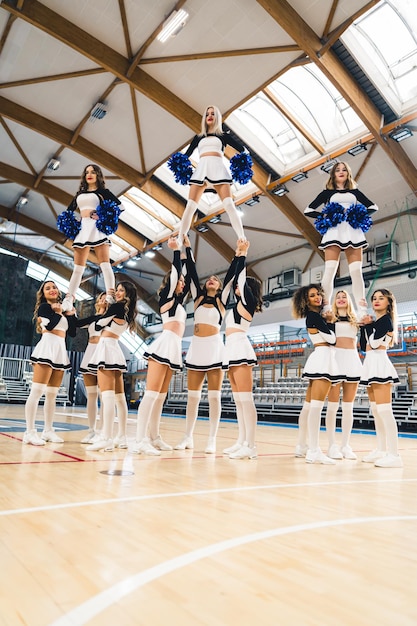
[103,600]
[201,492]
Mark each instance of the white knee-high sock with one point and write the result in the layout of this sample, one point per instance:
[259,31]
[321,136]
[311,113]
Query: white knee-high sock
[108,400]
[234,217]
[250,416]
[144,413]
[358,286]
[347,422]
[302,424]
[314,421]
[50,406]
[390,424]
[92,396]
[330,269]
[155,419]
[381,442]
[121,410]
[193,400]
[215,409]
[187,216]
[32,403]
[75,280]
[241,436]
[331,411]
[108,276]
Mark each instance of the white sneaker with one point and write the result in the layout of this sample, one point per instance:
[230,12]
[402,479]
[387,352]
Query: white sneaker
[236,446]
[348,453]
[317,456]
[389,460]
[31,437]
[101,444]
[186,444]
[50,435]
[160,444]
[373,456]
[334,452]
[244,452]
[120,442]
[67,303]
[89,436]
[211,446]
[300,451]
[145,447]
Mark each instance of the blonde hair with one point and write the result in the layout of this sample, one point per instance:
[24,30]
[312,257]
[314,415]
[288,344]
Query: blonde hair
[350,312]
[217,127]
[349,184]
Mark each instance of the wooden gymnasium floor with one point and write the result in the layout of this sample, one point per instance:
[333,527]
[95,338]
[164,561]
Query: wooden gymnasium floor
[195,539]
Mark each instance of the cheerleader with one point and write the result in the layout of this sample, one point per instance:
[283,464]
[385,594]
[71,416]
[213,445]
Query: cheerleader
[211,170]
[342,190]
[109,362]
[49,360]
[164,356]
[240,356]
[92,191]
[350,366]
[205,354]
[320,368]
[379,375]
[90,378]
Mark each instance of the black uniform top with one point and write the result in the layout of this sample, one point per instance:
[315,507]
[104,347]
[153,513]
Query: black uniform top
[325,197]
[375,334]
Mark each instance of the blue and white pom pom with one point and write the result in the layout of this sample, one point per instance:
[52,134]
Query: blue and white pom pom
[332,215]
[241,167]
[180,166]
[108,212]
[357,216]
[68,224]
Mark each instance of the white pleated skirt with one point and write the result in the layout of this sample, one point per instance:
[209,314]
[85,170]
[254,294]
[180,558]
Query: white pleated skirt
[322,364]
[89,235]
[51,351]
[344,236]
[166,349]
[238,351]
[211,169]
[89,351]
[378,369]
[108,355]
[205,353]
[349,364]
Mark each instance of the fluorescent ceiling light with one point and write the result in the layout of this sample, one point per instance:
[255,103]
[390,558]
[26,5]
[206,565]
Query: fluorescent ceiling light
[172,26]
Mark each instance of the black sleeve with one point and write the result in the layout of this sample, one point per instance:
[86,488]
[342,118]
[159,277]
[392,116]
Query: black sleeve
[315,320]
[106,194]
[250,300]
[230,278]
[167,292]
[115,310]
[73,204]
[363,338]
[371,206]
[322,198]
[85,322]
[187,278]
[382,326]
[45,310]
[231,141]
[193,145]
[195,288]
[72,325]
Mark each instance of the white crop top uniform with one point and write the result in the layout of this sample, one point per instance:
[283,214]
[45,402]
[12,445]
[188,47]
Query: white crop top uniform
[343,235]
[166,349]
[212,169]
[107,354]
[347,359]
[87,202]
[51,349]
[321,364]
[377,367]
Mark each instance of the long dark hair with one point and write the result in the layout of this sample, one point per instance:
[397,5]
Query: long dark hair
[255,286]
[300,306]
[101,183]
[130,303]
[40,299]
